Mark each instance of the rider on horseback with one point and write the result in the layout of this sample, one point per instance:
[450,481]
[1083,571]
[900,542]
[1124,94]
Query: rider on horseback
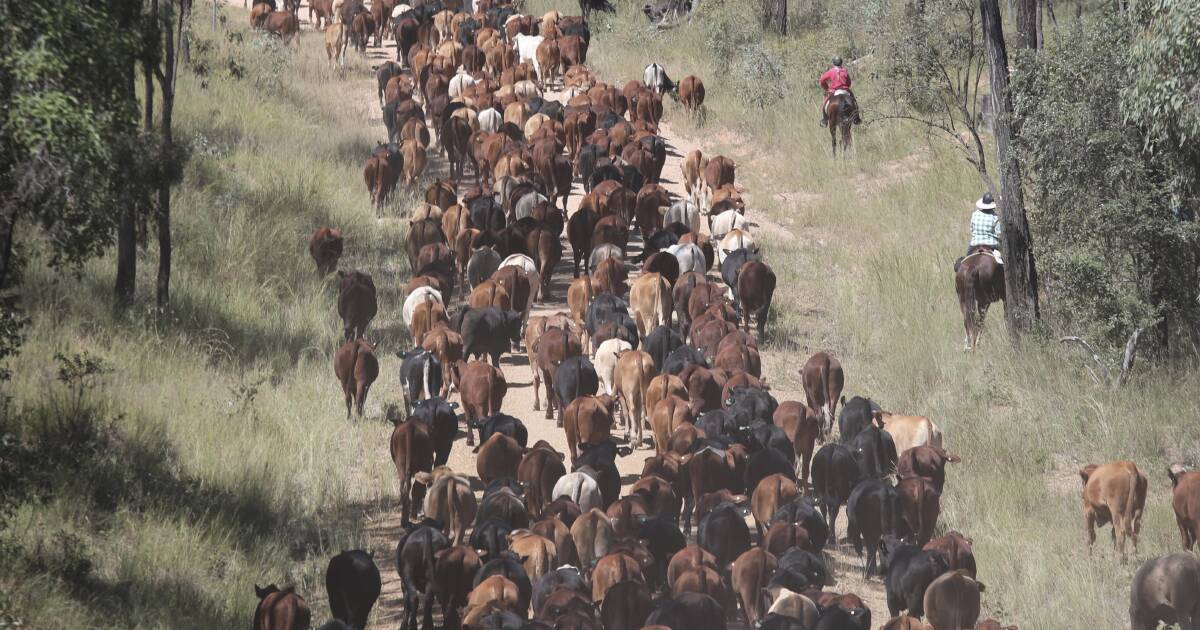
[836,78]
[985,228]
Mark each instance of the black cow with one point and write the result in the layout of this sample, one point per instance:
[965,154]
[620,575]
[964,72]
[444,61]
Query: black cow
[800,570]
[502,423]
[835,473]
[751,404]
[573,378]
[501,503]
[600,461]
[490,537]
[663,539]
[873,513]
[836,618]
[439,416]
[804,511]
[687,611]
[604,173]
[587,6]
[632,178]
[490,331]
[723,533]
[353,584]
[875,452]
[509,566]
[856,416]
[565,577]
[589,158]
[415,565]
[681,357]
[764,463]
[657,242]
[718,425]
[765,435]
[732,265]
[578,28]
[486,214]
[420,376]
[660,342]
[908,571]
[605,307]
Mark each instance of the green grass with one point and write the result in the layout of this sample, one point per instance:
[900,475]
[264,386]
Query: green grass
[866,273]
[215,455]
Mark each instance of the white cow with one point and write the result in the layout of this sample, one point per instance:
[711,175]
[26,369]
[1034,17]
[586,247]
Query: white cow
[685,212]
[531,270]
[526,47]
[417,298]
[490,120]
[690,257]
[721,224]
[606,362]
[459,83]
[580,488]
[400,9]
[655,78]
[733,241]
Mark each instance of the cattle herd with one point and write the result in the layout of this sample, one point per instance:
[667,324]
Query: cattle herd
[553,541]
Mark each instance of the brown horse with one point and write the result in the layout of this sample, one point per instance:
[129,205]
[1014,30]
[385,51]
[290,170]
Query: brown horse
[979,281]
[842,111]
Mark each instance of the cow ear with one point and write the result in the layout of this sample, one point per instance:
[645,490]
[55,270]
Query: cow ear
[1086,472]
[953,458]
[260,591]
[454,405]
[341,274]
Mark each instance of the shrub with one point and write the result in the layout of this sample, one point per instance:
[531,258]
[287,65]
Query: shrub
[729,28]
[758,75]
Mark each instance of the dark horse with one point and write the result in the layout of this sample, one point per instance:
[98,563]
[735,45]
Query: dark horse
[842,111]
[979,281]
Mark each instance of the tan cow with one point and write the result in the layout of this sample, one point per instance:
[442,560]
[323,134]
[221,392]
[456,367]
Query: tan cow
[667,415]
[651,301]
[911,431]
[1116,493]
[662,386]
[634,371]
[414,160]
[335,43]
[605,362]
[449,501]
[537,553]
[952,601]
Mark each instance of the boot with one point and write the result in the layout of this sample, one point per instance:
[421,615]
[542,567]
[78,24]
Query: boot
[824,118]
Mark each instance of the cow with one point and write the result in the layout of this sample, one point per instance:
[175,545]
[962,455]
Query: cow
[957,549]
[605,361]
[926,461]
[692,168]
[414,160]
[691,95]
[593,535]
[500,456]
[280,610]
[920,505]
[490,331]
[799,570]
[1166,589]
[1185,499]
[718,172]
[283,24]
[835,474]
[723,532]
[875,452]
[802,427]
[481,388]
[651,301]
[911,431]
[550,350]
[857,415]
[356,368]
[526,47]
[325,247]
[823,382]
[361,29]
[873,512]
[412,452]
[1114,493]
[909,570]
[796,607]
[952,601]
[587,6]
[454,573]
[666,416]
[449,501]
[782,536]
[587,420]
[581,488]
[356,302]
[538,554]
[634,371]
[353,584]
[483,263]
[446,345]
[755,288]
[575,376]
[771,493]
[539,471]
[420,376]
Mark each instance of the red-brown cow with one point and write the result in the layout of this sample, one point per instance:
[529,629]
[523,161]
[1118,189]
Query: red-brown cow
[356,368]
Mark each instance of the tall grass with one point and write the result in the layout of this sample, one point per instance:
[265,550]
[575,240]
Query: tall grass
[215,454]
[863,246]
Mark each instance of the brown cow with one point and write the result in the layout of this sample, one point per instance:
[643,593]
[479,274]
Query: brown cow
[802,427]
[687,559]
[613,569]
[360,31]
[553,528]
[489,293]
[662,386]
[481,388]
[782,536]
[593,535]
[540,469]
[738,359]
[537,553]
[823,382]
[926,461]
[258,14]
[952,601]
[919,504]
[552,348]
[414,160]
[425,317]
[1116,493]
[708,470]
[905,622]
[381,172]
[356,302]
[773,491]
[658,495]
[957,549]
[691,95]
[692,168]
[651,301]
[280,610]
[446,345]
[454,573]
[667,415]
[500,456]
[718,172]
[412,453]
[283,24]
[587,420]
[1185,498]
[751,572]
[705,581]
[610,276]
[704,388]
[496,592]
[579,297]
[449,501]
[756,287]
[356,368]
[442,193]
[548,57]
[422,232]
[325,247]
[635,368]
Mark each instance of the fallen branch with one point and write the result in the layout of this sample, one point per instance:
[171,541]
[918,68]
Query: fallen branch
[1126,362]
[1095,357]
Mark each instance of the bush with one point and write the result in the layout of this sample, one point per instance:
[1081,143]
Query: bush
[758,75]
[729,28]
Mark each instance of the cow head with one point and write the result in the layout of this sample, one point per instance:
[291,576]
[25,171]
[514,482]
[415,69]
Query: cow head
[1085,473]
[263,591]
[1176,472]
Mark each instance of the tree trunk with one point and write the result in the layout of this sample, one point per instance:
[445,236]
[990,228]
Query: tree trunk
[1027,23]
[8,233]
[781,16]
[1020,274]
[167,81]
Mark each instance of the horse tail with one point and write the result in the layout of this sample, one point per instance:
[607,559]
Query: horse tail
[846,106]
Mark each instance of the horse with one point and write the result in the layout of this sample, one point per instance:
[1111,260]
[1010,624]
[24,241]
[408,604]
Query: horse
[979,281]
[842,111]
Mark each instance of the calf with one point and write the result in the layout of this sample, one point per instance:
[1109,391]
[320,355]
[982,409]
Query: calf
[481,388]
[920,505]
[356,302]
[352,583]
[925,461]
[823,381]
[449,501]
[751,572]
[325,247]
[356,368]
[1185,499]
[908,572]
[952,601]
[872,512]
[1116,493]
[280,610]
[499,457]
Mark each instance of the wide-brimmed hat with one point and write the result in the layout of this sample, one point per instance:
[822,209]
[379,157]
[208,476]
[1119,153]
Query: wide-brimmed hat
[985,202]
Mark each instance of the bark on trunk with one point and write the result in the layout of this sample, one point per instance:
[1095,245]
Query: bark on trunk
[8,231]
[781,16]
[1020,274]
[1027,23]
[163,217]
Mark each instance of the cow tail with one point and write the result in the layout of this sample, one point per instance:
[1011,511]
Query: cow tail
[823,385]
[425,376]
[451,498]
[1130,505]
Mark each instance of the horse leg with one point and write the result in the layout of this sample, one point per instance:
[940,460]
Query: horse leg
[846,139]
[833,136]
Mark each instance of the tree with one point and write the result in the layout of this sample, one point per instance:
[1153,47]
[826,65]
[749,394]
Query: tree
[931,67]
[1020,272]
[1029,24]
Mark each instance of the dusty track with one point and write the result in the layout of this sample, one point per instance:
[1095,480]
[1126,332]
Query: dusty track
[382,528]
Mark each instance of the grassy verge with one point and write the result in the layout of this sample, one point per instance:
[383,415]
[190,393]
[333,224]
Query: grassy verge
[212,452]
[864,247]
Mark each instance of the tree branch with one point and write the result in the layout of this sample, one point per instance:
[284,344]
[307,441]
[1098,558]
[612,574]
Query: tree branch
[1130,357]
[1095,357]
